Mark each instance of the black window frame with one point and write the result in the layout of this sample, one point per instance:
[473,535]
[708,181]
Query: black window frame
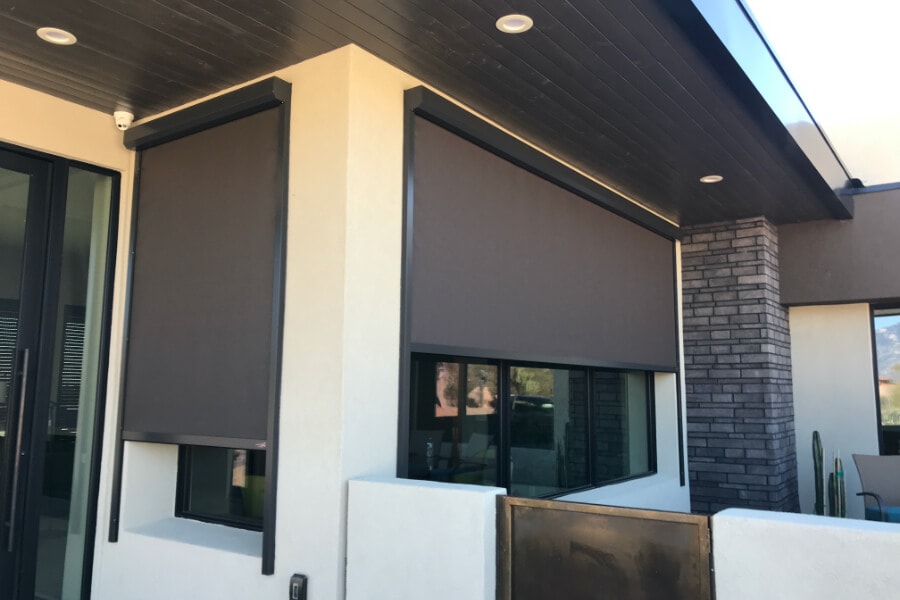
[504,416]
[888,435]
[183,488]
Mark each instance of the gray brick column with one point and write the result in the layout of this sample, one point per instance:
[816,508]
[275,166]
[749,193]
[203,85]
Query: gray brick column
[740,413]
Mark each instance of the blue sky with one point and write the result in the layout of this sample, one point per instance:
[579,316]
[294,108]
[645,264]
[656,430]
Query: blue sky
[881,322]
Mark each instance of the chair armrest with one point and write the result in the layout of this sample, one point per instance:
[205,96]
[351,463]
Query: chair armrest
[879,501]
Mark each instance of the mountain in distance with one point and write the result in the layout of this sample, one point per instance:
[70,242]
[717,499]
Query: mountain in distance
[887,345]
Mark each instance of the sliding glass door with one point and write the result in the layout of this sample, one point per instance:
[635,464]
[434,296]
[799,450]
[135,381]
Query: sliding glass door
[56,223]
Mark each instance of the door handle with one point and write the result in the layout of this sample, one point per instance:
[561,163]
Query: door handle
[17,457]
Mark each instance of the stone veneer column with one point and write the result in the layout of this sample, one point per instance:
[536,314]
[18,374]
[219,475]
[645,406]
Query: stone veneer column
[737,363]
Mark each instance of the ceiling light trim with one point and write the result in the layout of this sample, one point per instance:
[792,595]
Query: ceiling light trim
[515,23]
[56,36]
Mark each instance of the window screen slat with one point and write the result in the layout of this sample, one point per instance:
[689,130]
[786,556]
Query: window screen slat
[506,262]
[200,330]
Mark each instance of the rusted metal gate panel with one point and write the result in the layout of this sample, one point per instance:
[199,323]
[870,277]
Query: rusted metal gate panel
[550,549]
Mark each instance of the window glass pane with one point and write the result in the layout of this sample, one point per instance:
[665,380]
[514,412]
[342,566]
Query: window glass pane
[558,436]
[14,190]
[548,430]
[224,485]
[453,421]
[72,415]
[887,348]
[621,424]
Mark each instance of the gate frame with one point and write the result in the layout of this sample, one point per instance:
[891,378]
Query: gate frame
[506,505]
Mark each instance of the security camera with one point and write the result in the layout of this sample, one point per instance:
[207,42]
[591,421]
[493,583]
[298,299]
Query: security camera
[123,119]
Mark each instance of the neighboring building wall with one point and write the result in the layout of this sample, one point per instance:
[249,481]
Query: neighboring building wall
[740,417]
[802,557]
[834,393]
[842,262]
[831,271]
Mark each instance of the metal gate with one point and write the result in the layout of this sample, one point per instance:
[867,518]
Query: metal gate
[550,549]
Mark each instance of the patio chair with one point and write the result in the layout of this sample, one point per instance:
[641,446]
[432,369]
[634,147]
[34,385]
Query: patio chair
[880,479]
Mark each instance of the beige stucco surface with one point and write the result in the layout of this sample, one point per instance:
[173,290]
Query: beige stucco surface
[834,393]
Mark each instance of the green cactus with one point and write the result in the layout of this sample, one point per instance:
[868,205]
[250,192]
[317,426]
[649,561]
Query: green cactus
[817,466]
[839,474]
[837,500]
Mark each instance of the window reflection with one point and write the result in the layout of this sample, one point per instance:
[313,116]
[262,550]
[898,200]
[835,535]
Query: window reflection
[76,386]
[887,349]
[223,485]
[481,389]
[621,424]
[565,427]
[548,432]
[452,439]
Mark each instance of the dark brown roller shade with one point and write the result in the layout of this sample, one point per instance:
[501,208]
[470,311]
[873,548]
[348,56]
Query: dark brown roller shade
[200,337]
[506,263]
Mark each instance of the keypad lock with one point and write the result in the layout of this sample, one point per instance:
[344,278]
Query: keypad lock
[298,587]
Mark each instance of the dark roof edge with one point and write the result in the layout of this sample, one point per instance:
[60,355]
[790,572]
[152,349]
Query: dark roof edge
[869,189]
[701,34]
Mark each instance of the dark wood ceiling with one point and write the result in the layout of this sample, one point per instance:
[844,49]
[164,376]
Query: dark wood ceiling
[638,93]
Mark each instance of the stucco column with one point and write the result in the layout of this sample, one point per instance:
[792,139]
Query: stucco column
[740,414]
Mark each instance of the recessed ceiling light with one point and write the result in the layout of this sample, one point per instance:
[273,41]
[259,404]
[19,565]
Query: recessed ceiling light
[711,179]
[514,23]
[57,36]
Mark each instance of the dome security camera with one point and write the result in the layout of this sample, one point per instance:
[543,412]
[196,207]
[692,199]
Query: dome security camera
[123,119]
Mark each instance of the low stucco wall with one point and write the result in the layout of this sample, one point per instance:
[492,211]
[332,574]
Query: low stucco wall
[419,539]
[761,554]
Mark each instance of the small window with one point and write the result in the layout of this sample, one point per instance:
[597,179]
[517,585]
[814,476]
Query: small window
[538,430]
[222,485]
[886,325]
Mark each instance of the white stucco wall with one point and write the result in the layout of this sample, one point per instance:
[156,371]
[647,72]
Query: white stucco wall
[761,554]
[420,539]
[834,393]
[157,553]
